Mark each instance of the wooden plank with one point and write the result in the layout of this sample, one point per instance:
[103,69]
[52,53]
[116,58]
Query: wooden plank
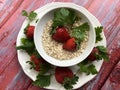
[113,82]
[63,0]
[7,8]
[13,77]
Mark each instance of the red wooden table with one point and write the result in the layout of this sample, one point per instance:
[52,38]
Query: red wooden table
[12,76]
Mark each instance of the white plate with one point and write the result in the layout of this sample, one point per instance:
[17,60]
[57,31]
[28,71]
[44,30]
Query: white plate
[23,56]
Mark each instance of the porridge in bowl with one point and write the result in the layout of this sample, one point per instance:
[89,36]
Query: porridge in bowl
[71,40]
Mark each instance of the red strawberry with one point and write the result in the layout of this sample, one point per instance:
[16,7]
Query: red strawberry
[30,31]
[70,45]
[37,68]
[61,34]
[92,55]
[37,62]
[61,73]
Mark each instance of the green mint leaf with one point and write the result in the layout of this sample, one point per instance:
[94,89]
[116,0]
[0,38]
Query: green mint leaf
[69,82]
[79,33]
[98,31]
[24,13]
[32,15]
[42,80]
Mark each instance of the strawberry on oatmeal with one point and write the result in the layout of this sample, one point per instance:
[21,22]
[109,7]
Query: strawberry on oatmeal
[55,49]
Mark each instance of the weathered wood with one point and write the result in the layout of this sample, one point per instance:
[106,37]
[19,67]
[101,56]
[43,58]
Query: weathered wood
[7,8]
[13,77]
[113,82]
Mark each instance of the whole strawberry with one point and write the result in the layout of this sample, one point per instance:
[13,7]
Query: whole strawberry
[93,54]
[61,34]
[63,72]
[65,76]
[70,45]
[37,62]
[30,31]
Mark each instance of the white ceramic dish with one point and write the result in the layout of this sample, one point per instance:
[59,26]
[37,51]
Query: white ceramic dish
[23,56]
[48,15]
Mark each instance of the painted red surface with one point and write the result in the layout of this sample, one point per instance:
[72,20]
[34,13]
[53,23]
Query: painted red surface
[12,76]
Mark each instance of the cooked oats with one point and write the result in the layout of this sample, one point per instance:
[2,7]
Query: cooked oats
[55,50]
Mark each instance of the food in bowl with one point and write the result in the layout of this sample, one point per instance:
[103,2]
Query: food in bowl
[66,35]
[68,24]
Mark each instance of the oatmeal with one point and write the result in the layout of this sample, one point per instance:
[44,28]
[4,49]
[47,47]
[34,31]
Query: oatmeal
[55,49]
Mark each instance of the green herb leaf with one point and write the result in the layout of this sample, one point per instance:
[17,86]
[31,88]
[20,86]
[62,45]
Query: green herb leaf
[27,45]
[69,82]
[87,68]
[102,49]
[92,69]
[26,28]
[84,68]
[32,15]
[44,68]
[98,31]
[79,33]
[42,80]
[63,17]
[24,13]
[103,53]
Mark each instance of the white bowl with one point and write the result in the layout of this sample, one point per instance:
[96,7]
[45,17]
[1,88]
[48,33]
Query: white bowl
[47,15]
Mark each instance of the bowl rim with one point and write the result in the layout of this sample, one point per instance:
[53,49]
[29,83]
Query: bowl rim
[49,59]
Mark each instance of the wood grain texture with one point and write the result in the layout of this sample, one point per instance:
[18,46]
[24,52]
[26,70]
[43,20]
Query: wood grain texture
[13,77]
[108,13]
[7,8]
[8,35]
[113,82]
